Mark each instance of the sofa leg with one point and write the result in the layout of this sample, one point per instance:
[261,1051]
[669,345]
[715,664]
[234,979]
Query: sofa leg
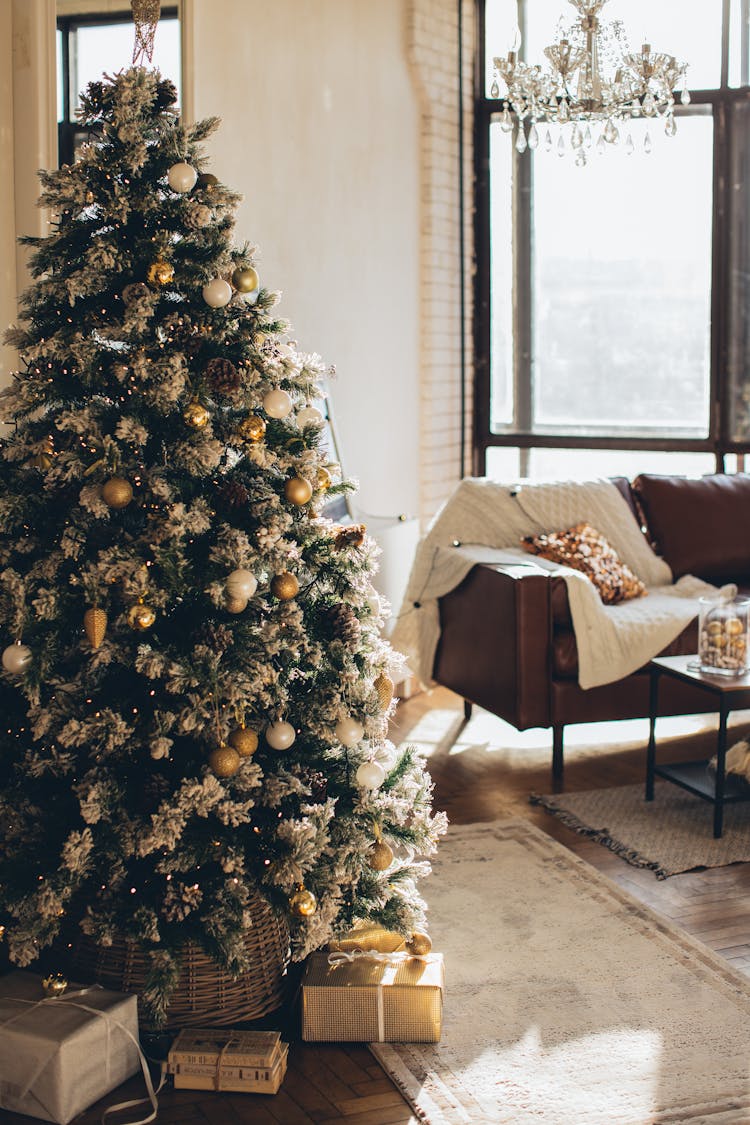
[468,706]
[557,754]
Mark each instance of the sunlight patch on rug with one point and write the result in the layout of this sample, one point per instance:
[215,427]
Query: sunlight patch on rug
[567,1001]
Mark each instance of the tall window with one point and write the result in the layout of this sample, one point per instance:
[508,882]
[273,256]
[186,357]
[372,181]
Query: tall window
[91,45]
[613,327]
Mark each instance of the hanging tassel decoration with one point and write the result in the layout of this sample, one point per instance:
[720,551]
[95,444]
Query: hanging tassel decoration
[145,18]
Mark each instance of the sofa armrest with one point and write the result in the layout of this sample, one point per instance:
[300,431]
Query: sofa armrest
[494,649]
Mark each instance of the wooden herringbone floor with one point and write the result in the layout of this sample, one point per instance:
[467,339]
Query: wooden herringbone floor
[481,772]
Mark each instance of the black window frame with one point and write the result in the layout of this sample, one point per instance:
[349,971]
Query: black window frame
[719,441]
[69,134]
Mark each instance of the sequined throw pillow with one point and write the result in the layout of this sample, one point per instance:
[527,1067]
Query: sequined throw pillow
[584,548]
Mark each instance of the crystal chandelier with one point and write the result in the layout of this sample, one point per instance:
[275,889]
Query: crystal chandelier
[593,82]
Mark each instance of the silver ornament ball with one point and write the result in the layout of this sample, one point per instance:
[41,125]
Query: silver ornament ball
[370,775]
[16,658]
[217,293]
[182,177]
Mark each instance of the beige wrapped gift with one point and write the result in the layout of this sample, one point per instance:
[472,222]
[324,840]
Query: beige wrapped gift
[58,1056]
[372,997]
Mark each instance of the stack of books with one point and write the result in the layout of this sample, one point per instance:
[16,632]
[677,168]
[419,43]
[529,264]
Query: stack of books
[210,1058]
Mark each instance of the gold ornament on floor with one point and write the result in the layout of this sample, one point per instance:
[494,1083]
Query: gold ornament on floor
[298,491]
[380,856]
[419,944]
[159,274]
[303,903]
[117,492]
[325,480]
[145,18]
[54,985]
[245,280]
[384,686]
[252,428]
[224,761]
[244,741]
[141,616]
[284,586]
[95,625]
[196,415]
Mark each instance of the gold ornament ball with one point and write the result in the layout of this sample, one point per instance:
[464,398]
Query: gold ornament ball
[117,492]
[419,944]
[384,686]
[244,741]
[252,428]
[380,856]
[159,273]
[303,903]
[196,415]
[325,480]
[141,617]
[224,761]
[95,625]
[298,490]
[284,586]
[245,280]
[54,985]
[235,605]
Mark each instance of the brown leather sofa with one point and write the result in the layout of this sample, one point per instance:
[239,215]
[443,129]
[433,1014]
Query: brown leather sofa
[507,641]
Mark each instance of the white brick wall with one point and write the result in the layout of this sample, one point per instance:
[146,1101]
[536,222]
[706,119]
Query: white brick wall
[433,56]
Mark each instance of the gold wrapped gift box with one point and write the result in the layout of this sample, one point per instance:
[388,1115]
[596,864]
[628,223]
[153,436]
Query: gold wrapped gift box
[397,999]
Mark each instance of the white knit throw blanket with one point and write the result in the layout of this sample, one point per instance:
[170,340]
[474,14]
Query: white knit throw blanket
[484,521]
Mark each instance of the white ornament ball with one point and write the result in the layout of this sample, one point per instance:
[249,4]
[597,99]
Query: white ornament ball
[309,416]
[241,584]
[16,658]
[349,731]
[182,177]
[250,298]
[280,735]
[217,293]
[277,404]
[370,775]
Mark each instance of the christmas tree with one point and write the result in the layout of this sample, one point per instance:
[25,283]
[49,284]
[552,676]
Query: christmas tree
[194,681]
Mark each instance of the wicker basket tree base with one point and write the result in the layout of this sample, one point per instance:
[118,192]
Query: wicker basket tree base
[206,995]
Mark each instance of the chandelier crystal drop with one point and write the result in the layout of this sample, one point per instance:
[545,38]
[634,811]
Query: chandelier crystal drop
[593,81]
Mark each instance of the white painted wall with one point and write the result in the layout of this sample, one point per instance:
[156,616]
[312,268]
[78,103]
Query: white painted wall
[321,134]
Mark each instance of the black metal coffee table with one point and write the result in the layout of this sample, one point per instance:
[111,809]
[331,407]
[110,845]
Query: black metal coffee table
[732,694]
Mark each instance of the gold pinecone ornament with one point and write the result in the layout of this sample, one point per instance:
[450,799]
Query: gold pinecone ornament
[95,625]
[385,688]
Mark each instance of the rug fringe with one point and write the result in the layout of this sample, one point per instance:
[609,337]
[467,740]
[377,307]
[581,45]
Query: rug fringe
[599,835]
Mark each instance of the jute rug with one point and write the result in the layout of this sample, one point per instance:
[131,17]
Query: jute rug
[567,1002]
[672,833]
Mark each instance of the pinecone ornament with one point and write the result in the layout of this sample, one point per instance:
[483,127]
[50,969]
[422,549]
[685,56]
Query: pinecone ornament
[234,494]
[222,376]
[340,623]
[215,636]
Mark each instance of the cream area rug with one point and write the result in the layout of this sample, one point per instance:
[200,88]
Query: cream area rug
[567,1002]
[672,833]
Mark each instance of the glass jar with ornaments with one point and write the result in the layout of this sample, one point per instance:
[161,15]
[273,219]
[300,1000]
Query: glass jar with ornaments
[724,633]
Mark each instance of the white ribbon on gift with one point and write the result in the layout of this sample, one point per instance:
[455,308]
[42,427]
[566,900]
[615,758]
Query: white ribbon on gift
[110,1022]
[392,960]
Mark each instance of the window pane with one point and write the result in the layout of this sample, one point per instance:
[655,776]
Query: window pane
[739,43]
[501,278]
[588,464]
[500,23]
[690,32]
[739,278]
[503,463]
[60,100]
[109,47]
[622,285]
